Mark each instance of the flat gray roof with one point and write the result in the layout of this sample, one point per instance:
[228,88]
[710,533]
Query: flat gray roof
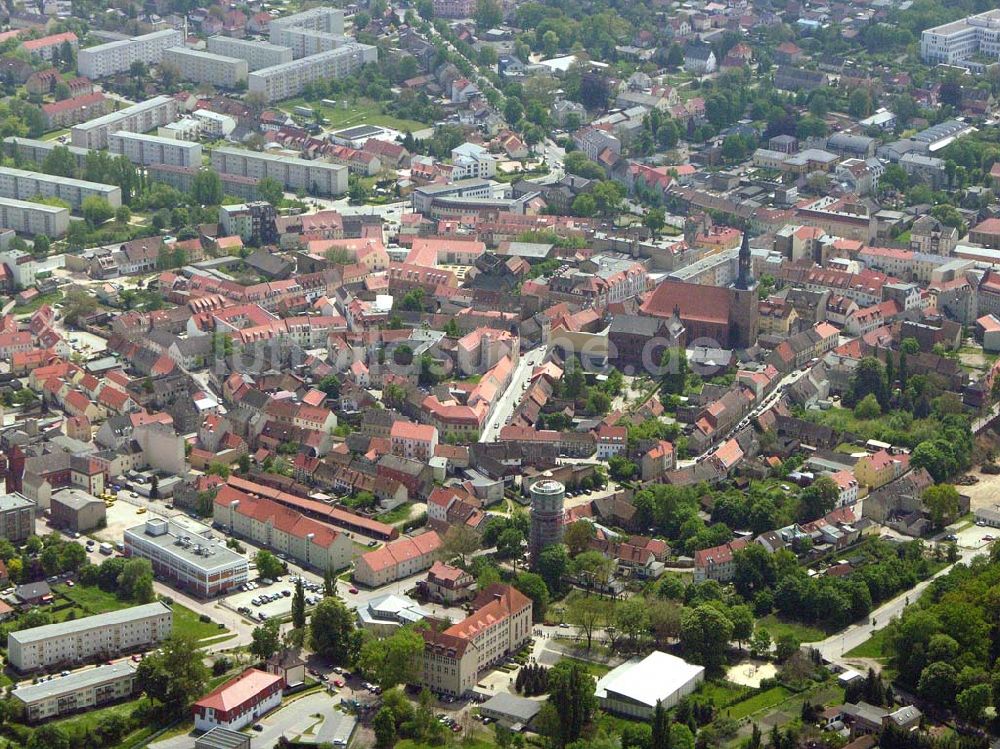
[36,634]
[113,117]
[221,738]
[520,708]
[77,680]
[192,550]
[14,500]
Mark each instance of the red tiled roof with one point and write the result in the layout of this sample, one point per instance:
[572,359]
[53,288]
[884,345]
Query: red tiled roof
[238,690]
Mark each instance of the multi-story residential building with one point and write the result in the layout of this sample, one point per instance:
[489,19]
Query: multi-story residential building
[928,169]
[192,562]
[207,67]
[398,559]
[960,40]
[423,197]
[848,487]
[77,109]
[182,178]
[288,79]
[879,469]
[718,563]
[455,657]
[34,218]
[152,149]
[100,636]
[252,222]
[21,185]
[315,177]
[22,265]
[930,236]
[454,8]
[472,161]
[325,19]
[257,54]
[17,517]
[310,542]
[47,46]
[213,124]
[139,118]
[78,691]
[35,151]
[413,441]
[306,42]
[117,56]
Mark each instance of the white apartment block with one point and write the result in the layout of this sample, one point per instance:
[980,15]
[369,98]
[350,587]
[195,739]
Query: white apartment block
[472,161]
[152,149]
[959,40]
[117,57]
[21,185]
[305,42]
[78,691]
[315,177]
[34,218]
[207,67]
[186,128]
[101,636]
[36,151]
[139,118]
[328,20]
[256,53]
[287,80]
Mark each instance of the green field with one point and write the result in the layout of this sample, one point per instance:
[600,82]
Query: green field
[873,647]
[361,112]
[91,599]
[597,670]
[761,701]
[721,693]
[778,627]
[187,622]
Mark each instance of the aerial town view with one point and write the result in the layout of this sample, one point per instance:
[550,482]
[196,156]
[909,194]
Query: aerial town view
[500,374]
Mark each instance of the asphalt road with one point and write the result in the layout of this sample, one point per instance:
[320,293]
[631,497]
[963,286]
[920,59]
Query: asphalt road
[512,395]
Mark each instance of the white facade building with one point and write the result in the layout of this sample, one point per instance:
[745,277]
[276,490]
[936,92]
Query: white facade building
[960,40]
[101,636]
[287,80]
[117,57]
[257,54]
[315,177]
[77,691]
[34,218]
[139,118]
[207,67]
[472,161]
[152,149]
[635,687]
[22,185]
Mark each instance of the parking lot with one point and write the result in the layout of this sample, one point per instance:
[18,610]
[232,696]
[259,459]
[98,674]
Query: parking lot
[270,601]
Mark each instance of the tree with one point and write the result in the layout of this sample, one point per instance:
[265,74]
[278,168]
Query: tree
[938,683]
[972,702]
[859,104]
[742,618]
[786,646]
[551,565]
[577,536]
[584,205]
[510,543]
[135,581]
[298,606]
[760,643]
[673,364]
[660,734]
[534,587]
[266,639]
[393,660]
[384,726]
[206,188]
[96,210]
[488,15]
[943,502]
[268,565]
[654,220]
[459,541]
[868,377]
[60,162]
[755,570]
[705,635]
[154,487]
[270,190]
[868,408]
[571,695]
[588,614]
[331,632]
[174,676]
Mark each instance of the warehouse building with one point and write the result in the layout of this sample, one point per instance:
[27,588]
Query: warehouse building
[83,690]
[194,563]
[102,636]
[77,511]
[34,218]
[207,67]
[139,118]
[287,80]
[21,185]
[635,687]
[117,57]
[152,149]
[256,53]
[315,177]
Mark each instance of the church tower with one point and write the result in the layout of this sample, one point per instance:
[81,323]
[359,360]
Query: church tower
[744,323]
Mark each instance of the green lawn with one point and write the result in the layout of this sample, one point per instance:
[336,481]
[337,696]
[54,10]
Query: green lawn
[91,599]
[187,622]
[778,627]
[37,302]
[396,514]
[361,112]
[721,693]
[873,647]
[597,670]
[762,701]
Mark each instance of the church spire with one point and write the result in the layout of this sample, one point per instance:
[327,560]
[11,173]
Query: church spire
[744,280]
